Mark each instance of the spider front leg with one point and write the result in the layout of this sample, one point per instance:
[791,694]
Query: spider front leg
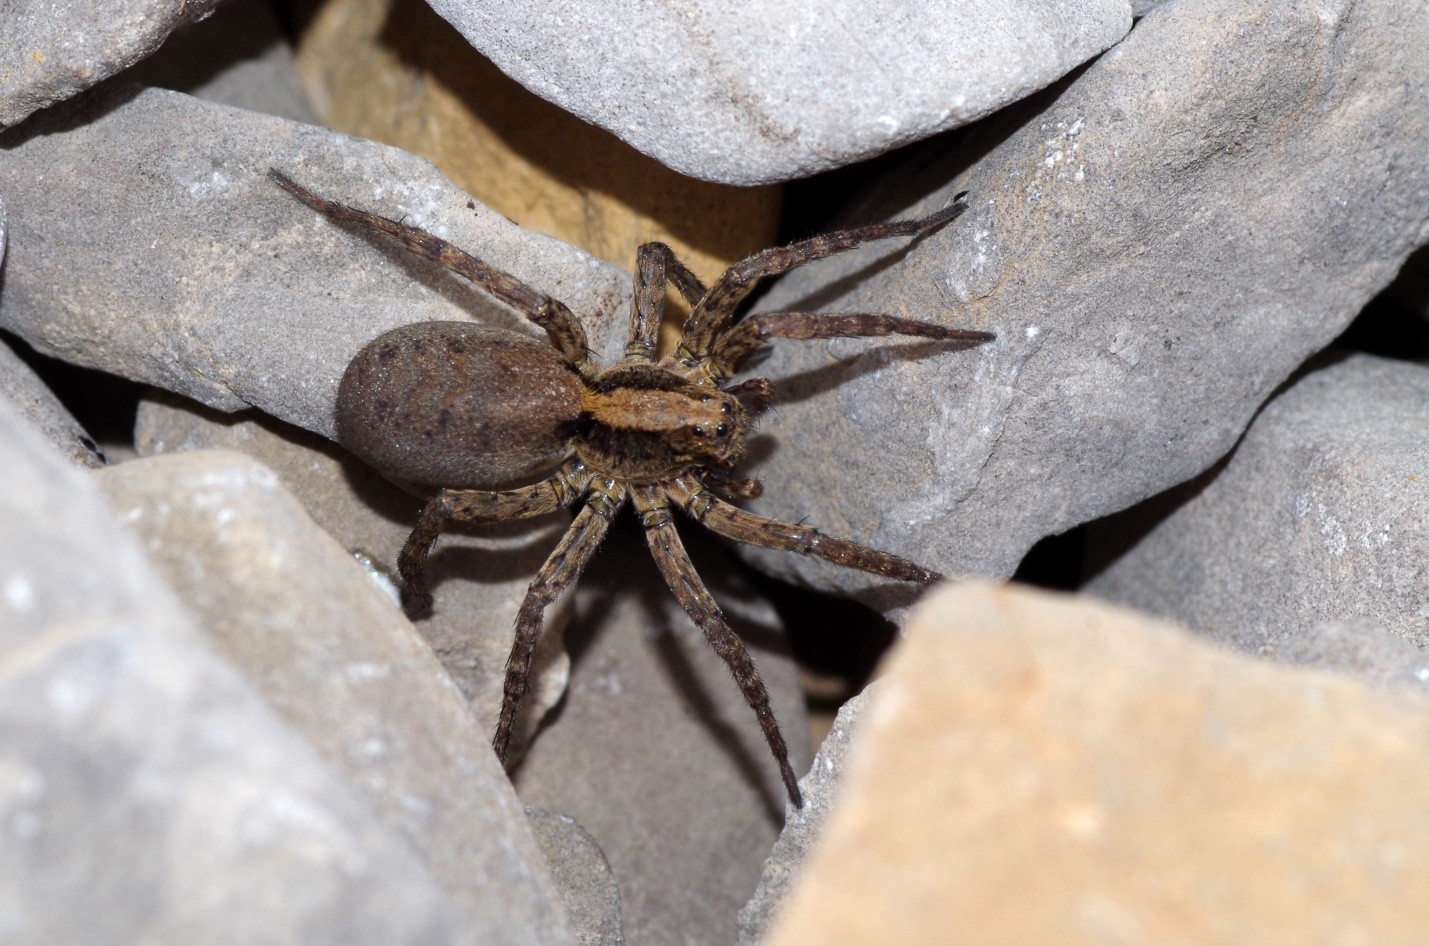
[655,265]
[477,506]
[561,569]
[560,324]
[715,311]
[734,523]
[679,573]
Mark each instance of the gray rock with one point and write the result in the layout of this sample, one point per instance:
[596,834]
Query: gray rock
[753,93]
[479,577]
[1321,515]
[146,792]
[238,56]
[580,870]
[37,404]
[1157,249]
[654,751]
[147,241]
[56,48]
[1360,648]
[803,826]
[289,608]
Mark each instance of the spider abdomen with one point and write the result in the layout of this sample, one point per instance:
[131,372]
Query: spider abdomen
[459,405]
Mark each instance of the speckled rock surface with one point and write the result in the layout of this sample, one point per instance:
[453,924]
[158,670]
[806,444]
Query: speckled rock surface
[654,751]
[751,93]
[1159,247]
[1042,769]
[194,272]
[802,826]
[330,651]
[149,794]
[56,48]
[37,404]
[1321,515]
[479,577]
[581,872]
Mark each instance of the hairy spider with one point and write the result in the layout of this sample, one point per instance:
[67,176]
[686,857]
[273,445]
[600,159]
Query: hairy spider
[506,427]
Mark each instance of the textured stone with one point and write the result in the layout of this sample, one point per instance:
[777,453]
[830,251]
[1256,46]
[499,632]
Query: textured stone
[394,71]
[479,577]
[802,826]
[581,872]
[289,608]
[146,240]
[1321,515]
[37,404]
[56,48]
[1157,248]
[147,794]
[1039,769]
[654,751]
[756,92]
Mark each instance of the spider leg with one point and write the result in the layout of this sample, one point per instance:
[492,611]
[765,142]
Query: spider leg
[656,264]
[715,311]
[561,569]
[690,591]
[731,350]
[475,506]
[560,324]
[734,523]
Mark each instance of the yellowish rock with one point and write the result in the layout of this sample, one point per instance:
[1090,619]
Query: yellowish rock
[1036,769]
[394,71]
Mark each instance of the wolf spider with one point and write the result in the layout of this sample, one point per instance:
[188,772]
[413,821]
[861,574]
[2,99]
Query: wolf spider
[506,427]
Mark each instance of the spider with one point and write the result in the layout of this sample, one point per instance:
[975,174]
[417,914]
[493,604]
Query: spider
[496,426]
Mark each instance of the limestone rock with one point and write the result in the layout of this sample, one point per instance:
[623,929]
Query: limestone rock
[56,48]
[394,71]
[37,404]
[1039,769]
[478,577]
[147,793]
[1157,249]
[289,608]
[1321,515]
[654,751]
[147,240]
[756,92]
[581,872]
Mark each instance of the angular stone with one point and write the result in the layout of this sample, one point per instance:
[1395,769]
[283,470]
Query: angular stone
[581,872]
[656,754]
[1043,769]
[37,404]
[1321,515]
[478,577]
[56,48]
[1157,249]
[147,240]
[757,92]
[141,775]
[396,72]
[331,652]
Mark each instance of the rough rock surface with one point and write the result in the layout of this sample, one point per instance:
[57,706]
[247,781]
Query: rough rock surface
[146,792]
[582,874]
[802,826]
[1158,248]
[1321,515]
[56,48]
[654,751]
[147,241]
[396,72]
[37,404]
[1041,769]
[478,577]
[291,611]
[750,93]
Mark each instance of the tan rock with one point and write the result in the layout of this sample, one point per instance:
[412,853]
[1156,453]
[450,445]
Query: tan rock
[1036,769]
[394,71]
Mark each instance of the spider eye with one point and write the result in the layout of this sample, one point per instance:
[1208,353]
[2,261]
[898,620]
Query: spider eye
[722,430]
[699,431]
[725,408]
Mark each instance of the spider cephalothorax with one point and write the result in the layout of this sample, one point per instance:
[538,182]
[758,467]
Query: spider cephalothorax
[505,427]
